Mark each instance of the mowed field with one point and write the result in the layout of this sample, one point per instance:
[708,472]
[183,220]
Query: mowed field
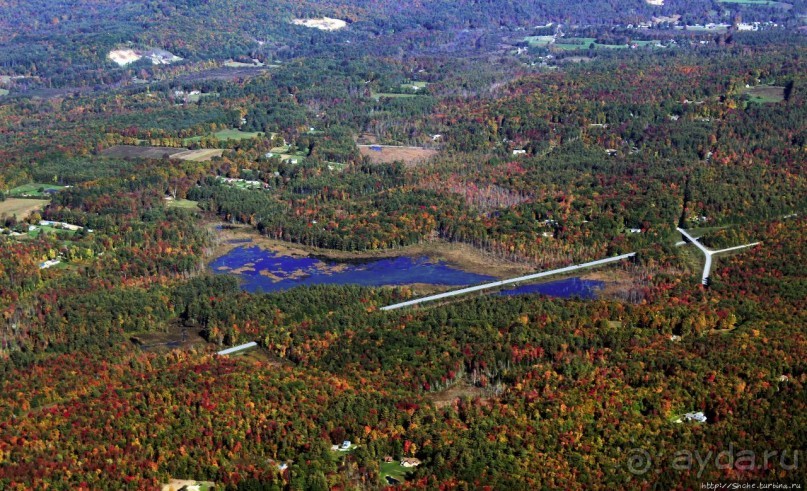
[138,152]
[766,94]
[389,154]
[22,207]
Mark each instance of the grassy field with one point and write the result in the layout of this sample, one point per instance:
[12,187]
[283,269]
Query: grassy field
[201,155]
[538,41]
[3,92]
[21,207]
[231,134]
[407,155]
[184,204]
[198,97]
[138,152]
[394,470]
[135,151]
[390,95]
[235,134]
[414,85]
[47,229]
[572,44]
[765,94]
[32,190]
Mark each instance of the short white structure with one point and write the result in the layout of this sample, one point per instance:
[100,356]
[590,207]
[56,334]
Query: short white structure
[49,263]
[345,446]
[519,151]
[698,417]
[236,349]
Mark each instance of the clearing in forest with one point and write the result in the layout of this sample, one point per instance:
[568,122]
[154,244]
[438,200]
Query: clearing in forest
[201,155]
[138,152]
[384,154]
[21,207]
[184,204]
[323,24]
[765,94]
[34,190]
[231,134]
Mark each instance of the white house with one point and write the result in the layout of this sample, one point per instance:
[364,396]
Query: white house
[519,151]
[698,417]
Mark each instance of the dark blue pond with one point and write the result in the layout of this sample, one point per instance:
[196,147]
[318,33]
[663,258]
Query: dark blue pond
[565,288]
[262,270]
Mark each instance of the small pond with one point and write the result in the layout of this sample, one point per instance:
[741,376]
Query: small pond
[565,288]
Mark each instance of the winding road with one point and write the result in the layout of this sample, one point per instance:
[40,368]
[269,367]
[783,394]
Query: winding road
[495,284]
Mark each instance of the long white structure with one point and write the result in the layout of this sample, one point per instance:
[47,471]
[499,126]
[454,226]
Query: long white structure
[238,348]
[508,282]
[707,267]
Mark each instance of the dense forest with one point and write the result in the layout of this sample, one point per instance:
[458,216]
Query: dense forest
[433,124]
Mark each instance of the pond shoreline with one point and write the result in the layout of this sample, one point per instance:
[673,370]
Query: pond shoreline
[462,256]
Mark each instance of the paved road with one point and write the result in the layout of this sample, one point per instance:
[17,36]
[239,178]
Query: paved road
[707,267]
[507,282]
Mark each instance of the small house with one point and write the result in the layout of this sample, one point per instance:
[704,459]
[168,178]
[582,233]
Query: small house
[410,462]
[345,445]
[519,151]
[388,458]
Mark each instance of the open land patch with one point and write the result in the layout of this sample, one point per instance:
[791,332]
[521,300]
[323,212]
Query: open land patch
[34,190]
[128,56]
[456,392]
[201,155]
[765,94]
[539,41]
[184,204]
[323,23]
[21,207]
[382,154]
[231,134]
[177,484]
[138,152]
